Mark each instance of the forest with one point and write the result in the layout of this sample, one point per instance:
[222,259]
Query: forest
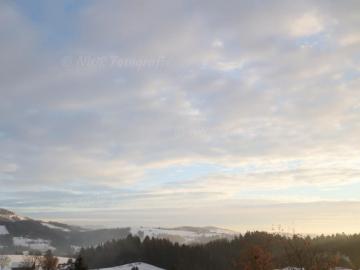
[252,250]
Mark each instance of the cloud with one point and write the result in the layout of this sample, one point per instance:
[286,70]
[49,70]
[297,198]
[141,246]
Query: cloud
[306,25]
[246,85]
[313,217]
[350,39]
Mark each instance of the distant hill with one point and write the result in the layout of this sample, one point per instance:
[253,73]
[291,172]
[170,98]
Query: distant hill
[184,235]
[18,234]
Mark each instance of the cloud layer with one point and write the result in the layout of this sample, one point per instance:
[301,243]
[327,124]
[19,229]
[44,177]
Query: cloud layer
[138,103]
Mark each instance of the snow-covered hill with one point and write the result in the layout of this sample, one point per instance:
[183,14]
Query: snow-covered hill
[19,233]
[136,265]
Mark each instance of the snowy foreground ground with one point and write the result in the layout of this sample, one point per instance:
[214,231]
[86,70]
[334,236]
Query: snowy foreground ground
[139,265]
[17,260]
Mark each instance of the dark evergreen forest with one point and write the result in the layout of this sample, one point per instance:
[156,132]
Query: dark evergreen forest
[253,250]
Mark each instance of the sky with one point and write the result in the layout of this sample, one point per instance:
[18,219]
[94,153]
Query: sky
[239,114]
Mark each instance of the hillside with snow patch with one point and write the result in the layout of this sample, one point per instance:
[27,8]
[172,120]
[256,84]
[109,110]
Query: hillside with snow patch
[19,233]
[3,230]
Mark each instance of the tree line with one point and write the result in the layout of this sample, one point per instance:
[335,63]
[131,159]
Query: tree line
[250,251]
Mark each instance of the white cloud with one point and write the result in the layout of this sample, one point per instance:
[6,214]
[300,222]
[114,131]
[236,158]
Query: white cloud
[217,43]
[307,24]
[350,39]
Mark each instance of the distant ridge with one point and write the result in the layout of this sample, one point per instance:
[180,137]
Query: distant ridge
[18,233]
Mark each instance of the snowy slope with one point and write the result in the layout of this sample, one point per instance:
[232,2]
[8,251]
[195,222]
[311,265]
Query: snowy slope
[19,234]
[130,266]
[3,230]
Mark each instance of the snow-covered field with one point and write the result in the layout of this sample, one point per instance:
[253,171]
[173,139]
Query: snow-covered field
[17,260]
[36,244]
[3,230]
[139,265]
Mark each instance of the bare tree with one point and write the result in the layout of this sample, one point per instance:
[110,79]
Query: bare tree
[32,261]
[300,252]
[49,261]
[4,261]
